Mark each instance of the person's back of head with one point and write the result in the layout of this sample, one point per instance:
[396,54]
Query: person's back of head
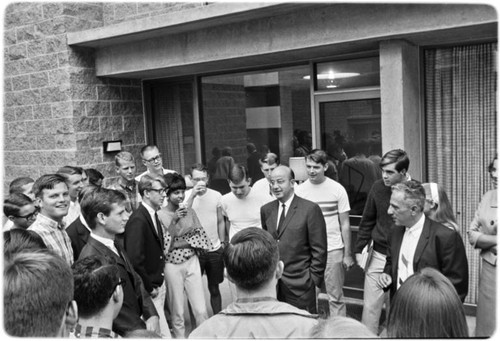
[251,258]
[96,282]
[17,240]
[251,148]
[227,151]
[95,177]
[397,156]
[427,306]
[99,200]
[38,292]
[341,327]
[16,185]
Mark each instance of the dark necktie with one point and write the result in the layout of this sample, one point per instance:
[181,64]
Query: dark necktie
[282,218]
[159,230]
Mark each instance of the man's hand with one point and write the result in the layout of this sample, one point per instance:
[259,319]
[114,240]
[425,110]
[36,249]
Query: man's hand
[348,262]
[199,189]
[384,281]
[154,292]
[153,324]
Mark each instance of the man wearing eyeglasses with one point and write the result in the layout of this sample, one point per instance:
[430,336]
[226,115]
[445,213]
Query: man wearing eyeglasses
[144,243]
[20,210]
[104,211]
[151,158]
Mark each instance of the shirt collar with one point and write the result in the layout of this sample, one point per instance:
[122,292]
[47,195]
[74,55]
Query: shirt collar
[50,222]
[289,201]
[150,210]
[418,226]
[109,243]
[124,185]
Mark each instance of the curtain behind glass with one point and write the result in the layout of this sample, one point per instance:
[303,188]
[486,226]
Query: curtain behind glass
[460,107]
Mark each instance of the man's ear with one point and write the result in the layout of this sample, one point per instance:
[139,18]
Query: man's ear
[279,269]
[70,318]
[116,294]
[101,218]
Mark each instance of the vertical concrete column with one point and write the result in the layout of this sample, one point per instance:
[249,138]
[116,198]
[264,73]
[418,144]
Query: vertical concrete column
[402,117]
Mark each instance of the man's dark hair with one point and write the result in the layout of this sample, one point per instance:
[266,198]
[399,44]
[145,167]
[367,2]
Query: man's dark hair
[95,280]
[47,181]
[17,240]
[318,156]
[199,167]
[397,156]
[14,202]
[99,200]
[38,287]
[174,182]
[94,176]
[16,185]
[227,151]
[66,171]
[251,258]
[238,173]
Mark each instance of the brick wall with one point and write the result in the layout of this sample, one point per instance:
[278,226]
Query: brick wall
[56,112]
[114,13]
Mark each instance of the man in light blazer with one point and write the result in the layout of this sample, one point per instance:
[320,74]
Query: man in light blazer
[301,237]
[417,242]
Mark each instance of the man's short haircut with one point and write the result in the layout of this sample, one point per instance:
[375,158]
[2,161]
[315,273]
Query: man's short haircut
[199,167]
[147,180]
[238,173]
[123,157]
[318,156]
[174,182]
[414,193]
[270,159]
[66,171]
[99,200]
[38,287]
[21,240]
[14,202]
[148,147]
[16,185]
[227,151]
[251,147]
[251,258]
[397,156]
[47,181]
[94,176]
[95,279]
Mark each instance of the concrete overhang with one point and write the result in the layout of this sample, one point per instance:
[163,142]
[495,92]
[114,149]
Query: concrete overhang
[260,35]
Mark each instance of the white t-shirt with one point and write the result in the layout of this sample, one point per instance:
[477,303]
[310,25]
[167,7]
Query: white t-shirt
[242,213]
[205,207]
[262,187]
[332,199]
[165,171]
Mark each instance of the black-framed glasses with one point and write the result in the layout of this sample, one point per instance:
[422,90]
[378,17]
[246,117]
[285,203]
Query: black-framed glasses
[31,216]
[154,159]
[159,190]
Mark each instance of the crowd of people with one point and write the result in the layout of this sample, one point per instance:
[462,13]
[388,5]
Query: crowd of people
[86,260]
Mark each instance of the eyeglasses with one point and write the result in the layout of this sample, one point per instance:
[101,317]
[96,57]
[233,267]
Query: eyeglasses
[159,190]
[31,216]
[200,179]
[154,159]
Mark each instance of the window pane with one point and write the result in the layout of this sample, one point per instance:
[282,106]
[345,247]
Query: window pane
[264,108]
[350,131]
[348,74]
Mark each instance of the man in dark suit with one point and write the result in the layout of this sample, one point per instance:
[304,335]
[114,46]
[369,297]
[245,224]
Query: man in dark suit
[417,242]
[104,210]
[143,240]
[298,226]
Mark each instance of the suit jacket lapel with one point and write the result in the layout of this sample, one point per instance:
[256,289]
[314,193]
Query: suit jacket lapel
[288,216]
[151,225]
[422,242]
[398,240]
[104,250]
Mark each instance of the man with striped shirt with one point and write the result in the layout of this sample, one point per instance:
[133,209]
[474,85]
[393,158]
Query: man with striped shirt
[334,203]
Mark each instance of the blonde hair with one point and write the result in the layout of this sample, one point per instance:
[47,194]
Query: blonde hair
[441,211]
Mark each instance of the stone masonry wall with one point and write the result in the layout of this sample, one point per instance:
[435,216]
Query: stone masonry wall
[56,112]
